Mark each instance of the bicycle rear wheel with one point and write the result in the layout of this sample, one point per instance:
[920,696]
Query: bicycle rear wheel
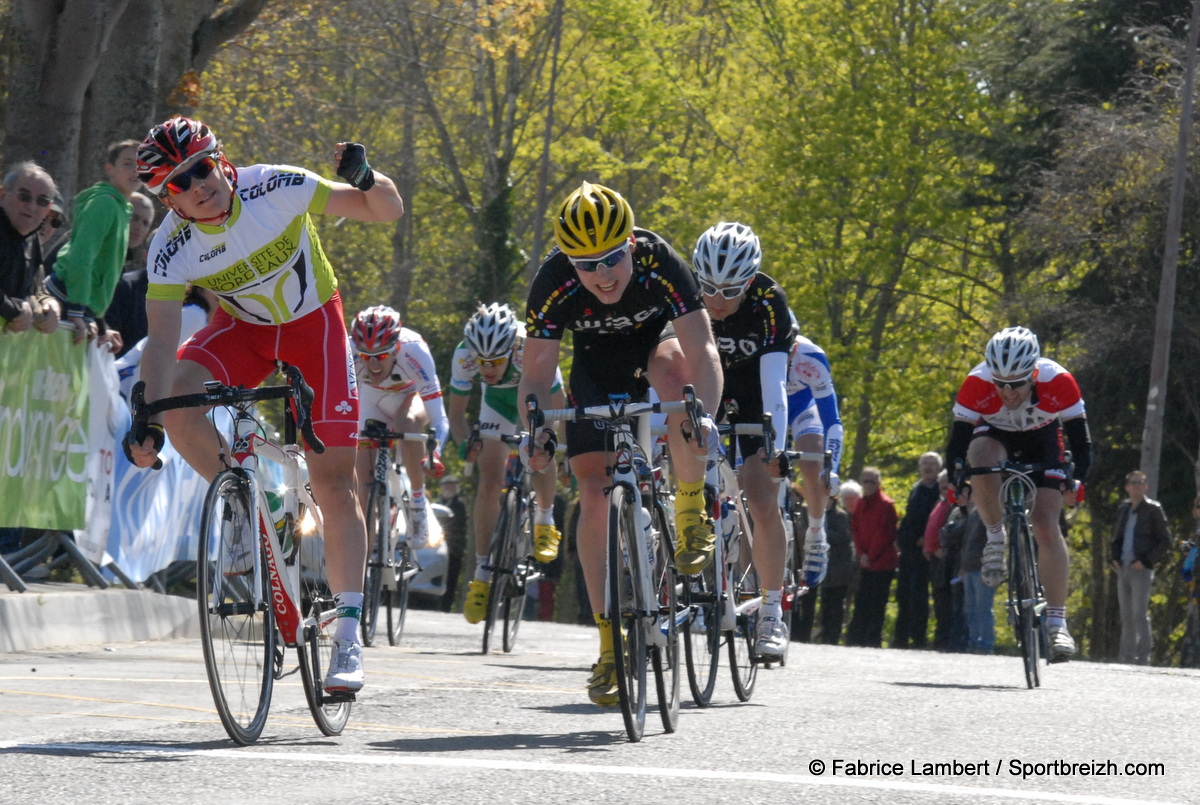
[237,624]
[627,610]
[521,537]
[315,651]
[702,633]
[664,654]
[501,561]
[378,521]
[1023,592]
[743,664]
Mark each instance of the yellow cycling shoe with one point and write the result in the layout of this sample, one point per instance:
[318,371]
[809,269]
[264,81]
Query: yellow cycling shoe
[545,543]
[602,686]
[696,542]
[475,607]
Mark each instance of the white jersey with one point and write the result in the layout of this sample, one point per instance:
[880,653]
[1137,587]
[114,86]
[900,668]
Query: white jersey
[265,262]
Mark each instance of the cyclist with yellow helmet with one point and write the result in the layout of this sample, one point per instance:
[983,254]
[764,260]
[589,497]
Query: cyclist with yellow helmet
[638,320]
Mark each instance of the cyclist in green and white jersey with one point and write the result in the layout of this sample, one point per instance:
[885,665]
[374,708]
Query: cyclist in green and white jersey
[492,352]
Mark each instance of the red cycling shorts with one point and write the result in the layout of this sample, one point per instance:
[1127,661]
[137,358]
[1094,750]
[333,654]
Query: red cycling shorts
[238,353]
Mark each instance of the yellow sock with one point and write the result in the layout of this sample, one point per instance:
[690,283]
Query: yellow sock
[690,496]
[606,641]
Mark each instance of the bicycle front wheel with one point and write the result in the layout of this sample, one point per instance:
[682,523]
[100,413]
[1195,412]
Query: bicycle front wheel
[521,538]
[665,652]
[397,599]
[627,610]
[237,624]
[743,664]
[501,560]
[1024,597]
[316,648]
[702,633]
[378,521]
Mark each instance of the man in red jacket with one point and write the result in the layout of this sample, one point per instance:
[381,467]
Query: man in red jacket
[875,523]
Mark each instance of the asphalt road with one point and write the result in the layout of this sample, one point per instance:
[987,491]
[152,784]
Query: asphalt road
[133,723]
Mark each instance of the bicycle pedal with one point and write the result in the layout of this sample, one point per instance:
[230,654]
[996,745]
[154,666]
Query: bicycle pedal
[337,697]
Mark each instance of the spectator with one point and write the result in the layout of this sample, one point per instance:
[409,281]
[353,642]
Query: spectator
[875,543]
[53,230]
[912,581]
[25,196]
[88,266]
[127,312]
[978,598]
[842,567]
[1140,540]
[456,537]
[943,566]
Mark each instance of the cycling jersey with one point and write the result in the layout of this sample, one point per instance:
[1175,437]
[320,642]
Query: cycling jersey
[412,372]
[1055,397]
[501,396]
[265,262]
[812,400]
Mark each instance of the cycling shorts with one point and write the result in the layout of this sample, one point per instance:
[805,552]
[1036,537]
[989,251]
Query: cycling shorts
[744,390]
[238,353]
[1041,446]
[806,421]
[606,366]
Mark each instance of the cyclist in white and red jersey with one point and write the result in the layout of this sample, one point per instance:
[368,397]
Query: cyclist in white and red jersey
[754,331]
[637,320]
[493,352]
[398,386]
[1017,405]
[246,234]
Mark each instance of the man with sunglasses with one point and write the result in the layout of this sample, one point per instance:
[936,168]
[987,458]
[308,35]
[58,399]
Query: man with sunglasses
[399,386]
[1017,405]
[247,235]
[754,332]
[89,265]
[493,352]
[25,197]
[637,320]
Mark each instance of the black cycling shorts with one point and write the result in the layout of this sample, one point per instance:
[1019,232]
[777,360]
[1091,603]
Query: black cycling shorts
[1044,445]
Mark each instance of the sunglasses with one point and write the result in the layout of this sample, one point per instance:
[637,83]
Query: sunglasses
[372,356]
[182,182]
[493,362]
[24,196]
[1011,384]
[725,292]
[607,261]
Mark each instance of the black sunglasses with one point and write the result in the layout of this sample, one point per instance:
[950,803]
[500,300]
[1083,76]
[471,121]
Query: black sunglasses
[1011,384]
[182,182]
[25,197]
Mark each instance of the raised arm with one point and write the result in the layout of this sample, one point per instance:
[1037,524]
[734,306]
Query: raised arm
[370,195]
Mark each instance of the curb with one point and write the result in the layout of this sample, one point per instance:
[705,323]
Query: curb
[60,615]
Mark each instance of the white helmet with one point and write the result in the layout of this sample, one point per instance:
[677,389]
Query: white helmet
[727,255]
[490,333]
[1013,352]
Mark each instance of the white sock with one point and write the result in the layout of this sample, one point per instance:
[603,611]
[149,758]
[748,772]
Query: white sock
[815,523]
[995,533]
[349,611]
[543,516]
[482,573]
[1056,616]
[418,498]
[772,604]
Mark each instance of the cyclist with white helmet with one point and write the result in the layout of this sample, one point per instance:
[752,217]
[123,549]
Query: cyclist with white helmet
[816,427]
[1017,405]
[753,331]
[637,321]
[247,235]
[492,351]
[398,385]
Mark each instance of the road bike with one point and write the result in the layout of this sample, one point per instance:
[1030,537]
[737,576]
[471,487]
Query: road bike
[256,586]
[641,596]
[1026,603]
[391,560]
[510,556]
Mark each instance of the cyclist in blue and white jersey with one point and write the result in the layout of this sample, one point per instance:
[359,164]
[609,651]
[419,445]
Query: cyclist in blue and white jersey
[816,427]
[493,352]
[399,386]
[753,333]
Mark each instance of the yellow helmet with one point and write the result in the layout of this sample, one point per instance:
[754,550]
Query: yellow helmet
[593,220]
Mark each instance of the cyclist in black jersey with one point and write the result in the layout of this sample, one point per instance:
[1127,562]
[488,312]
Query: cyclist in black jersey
[754,333]
[637,320]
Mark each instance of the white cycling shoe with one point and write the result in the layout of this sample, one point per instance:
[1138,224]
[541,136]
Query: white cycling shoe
[993,570]
[345,668]
[770,638]
[816,557]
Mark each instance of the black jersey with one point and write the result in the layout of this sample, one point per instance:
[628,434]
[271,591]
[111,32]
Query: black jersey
[760,325]
[661,289]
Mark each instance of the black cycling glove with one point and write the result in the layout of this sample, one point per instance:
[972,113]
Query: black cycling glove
[354,168]
[153,430]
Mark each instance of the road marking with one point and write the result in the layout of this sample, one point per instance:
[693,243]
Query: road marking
[270,755]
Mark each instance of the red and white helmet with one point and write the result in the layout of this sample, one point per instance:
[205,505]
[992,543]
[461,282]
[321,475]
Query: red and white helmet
[376,330]
[169,145]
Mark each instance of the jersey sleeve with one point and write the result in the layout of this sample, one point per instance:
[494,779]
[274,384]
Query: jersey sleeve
[668,275]
[554,288]
[772,376]
[463,370]
[974,398]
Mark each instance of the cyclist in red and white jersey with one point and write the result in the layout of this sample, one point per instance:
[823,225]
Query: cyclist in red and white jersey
[246,234]
[398,386]
[1017,405]
[493,352]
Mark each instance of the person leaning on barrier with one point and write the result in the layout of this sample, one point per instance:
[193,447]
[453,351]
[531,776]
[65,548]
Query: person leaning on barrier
[26,196]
